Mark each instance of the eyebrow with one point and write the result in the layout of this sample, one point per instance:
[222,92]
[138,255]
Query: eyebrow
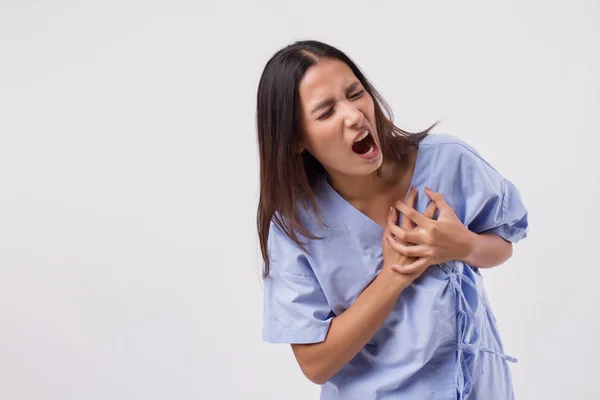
[330,101]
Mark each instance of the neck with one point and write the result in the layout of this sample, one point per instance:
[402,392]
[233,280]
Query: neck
[363,188]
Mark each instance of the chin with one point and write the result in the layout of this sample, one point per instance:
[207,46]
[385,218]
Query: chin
[369,169]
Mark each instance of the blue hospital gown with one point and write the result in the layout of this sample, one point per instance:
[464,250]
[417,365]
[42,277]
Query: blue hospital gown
[441,341]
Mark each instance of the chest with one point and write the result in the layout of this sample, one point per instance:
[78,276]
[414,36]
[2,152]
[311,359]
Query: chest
[345,262]
[377,208]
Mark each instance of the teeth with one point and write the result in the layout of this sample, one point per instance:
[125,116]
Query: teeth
[361,137]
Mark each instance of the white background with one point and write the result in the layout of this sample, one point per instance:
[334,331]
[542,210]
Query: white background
[129,262]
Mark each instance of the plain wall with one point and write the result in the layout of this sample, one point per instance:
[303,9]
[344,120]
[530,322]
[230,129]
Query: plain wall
[129,261]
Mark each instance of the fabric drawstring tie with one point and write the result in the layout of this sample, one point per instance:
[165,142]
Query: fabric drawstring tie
[467,348]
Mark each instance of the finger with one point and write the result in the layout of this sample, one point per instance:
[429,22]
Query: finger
[430,210]
[392,217]
[409,250]
[412,214]
[412,197]
[411,236]
[416,266]
[410,201]
[437,198]
[397,246]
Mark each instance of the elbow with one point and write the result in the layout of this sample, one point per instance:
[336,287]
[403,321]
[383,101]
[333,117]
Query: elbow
[508,252]
[501,256]
[319,381]
[316,375]
[314,362]
[314,370]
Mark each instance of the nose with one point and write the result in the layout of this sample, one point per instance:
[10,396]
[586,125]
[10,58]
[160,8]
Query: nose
[352,115]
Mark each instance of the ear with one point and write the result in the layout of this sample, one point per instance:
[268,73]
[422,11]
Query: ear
[300,147]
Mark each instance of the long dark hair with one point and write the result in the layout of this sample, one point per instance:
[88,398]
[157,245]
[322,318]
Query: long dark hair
[286,176]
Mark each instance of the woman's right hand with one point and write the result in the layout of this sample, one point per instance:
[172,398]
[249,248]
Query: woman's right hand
[412,267]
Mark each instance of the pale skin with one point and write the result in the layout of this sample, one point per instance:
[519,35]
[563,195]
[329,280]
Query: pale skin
[328,132]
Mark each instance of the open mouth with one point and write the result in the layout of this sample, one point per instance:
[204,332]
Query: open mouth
[364,143]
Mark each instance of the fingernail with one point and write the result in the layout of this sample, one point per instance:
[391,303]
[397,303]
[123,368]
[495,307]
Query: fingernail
[391,211]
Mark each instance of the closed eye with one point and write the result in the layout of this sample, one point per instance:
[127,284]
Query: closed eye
[354,96]
[324,116]
[357,94]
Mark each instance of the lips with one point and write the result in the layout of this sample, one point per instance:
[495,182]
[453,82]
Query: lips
[363,143]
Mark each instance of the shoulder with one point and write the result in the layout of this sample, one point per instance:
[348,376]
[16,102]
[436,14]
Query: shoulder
[285,255]
[451,150]
[448,143]
[277,238]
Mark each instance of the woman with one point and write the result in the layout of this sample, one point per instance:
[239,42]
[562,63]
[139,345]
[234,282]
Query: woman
[373,309]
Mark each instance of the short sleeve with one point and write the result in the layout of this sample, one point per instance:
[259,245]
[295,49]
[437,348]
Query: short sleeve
[492,202]
[295,307]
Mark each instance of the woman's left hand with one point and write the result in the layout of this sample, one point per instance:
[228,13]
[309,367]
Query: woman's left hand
[438,241]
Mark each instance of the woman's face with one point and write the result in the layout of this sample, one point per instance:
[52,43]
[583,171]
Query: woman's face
[336,112]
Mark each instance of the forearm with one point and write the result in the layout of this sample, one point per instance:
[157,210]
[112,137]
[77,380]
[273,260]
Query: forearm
[351,330]
[487,250]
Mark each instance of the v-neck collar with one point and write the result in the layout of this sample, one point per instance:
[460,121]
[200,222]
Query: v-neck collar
[355,212]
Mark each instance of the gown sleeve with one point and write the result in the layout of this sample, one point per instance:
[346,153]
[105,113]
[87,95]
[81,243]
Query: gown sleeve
[295,307]
[492,202]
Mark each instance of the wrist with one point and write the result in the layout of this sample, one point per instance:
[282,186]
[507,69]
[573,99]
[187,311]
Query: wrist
[392,281]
